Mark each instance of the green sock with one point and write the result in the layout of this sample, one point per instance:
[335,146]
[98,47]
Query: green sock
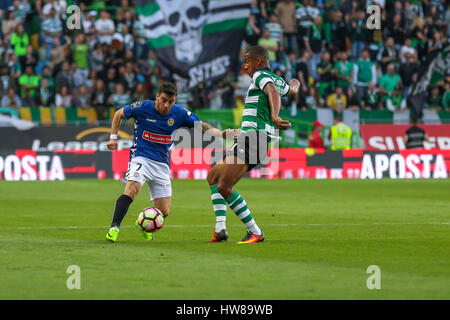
[240,208]
[220,208]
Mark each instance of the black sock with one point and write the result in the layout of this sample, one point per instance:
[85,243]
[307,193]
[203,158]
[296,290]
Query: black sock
[120,210]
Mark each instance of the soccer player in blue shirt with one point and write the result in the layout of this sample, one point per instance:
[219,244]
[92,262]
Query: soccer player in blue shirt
[155,121]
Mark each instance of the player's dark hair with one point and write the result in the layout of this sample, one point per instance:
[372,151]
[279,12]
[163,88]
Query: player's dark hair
[168,88]
[258,52]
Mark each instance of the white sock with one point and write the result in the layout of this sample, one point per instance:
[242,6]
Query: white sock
[220,223]
[254,229]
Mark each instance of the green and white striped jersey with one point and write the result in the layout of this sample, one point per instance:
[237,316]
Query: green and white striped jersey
[257,109]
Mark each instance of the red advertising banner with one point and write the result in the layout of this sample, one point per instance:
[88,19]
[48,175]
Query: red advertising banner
[195,163]
[390,137]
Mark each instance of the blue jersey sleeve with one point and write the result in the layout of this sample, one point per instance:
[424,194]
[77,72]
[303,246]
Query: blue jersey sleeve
[189,119]
[132,110]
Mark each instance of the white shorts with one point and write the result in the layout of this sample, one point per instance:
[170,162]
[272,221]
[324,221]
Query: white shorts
[156,174]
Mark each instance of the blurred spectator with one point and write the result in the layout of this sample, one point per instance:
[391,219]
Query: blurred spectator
[446,97]
[97,58]
[51,29]
[326,79]
[343,71]
[358,34]
[434,100]
[285,11]
[77,76]
[130,77]
[371,99]
[44,95]
[271,46]
[305,15]
[65,77]
[301,68]
[364,74]
[9,25]
[89,22]
[80,55]
[141,94]
[83,98]
[20,9]
[20,42]
[388,54]
[99,98]
[407,51]
[119,98]
[352,100]
[58,5]
[28,101]
[63,98]
[315,139]
[29,83]
[396,101]
[46,74]
[6,80]
[276,31]
[336,32]
[406,72]
[11,100]
[312,99]
[337,100]
[30,57]
[227,93]
[389,82]
[124,37]
[105,28]
[313,44]
[252,32]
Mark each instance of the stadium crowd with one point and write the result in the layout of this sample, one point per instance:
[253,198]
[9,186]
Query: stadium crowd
[323,43]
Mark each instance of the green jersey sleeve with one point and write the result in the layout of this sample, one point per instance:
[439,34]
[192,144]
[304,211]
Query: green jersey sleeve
[261,78]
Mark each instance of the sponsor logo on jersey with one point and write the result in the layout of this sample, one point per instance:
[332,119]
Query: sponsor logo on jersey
[136,104]
[158,138]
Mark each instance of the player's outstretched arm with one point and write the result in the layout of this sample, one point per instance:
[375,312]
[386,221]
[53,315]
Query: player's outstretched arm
[294,86]
[117,119]
[275,105]
[228,133]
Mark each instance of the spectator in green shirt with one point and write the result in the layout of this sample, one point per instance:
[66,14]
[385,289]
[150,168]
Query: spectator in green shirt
[80,55]
[119,98]
[20,41]
[271,46]
[364,73]
[28,82]
[343,71]
[388,82]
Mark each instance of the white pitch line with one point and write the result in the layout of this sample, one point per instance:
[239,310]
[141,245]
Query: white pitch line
[237,225]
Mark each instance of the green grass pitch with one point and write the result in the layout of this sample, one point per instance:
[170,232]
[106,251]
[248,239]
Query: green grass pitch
[321,236]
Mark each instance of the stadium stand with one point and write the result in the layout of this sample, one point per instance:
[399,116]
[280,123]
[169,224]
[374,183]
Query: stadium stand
[52,75]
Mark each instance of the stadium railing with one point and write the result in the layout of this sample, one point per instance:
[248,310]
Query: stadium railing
[10,111]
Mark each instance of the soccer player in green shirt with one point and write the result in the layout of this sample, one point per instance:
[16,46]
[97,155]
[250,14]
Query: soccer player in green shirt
[260,117]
